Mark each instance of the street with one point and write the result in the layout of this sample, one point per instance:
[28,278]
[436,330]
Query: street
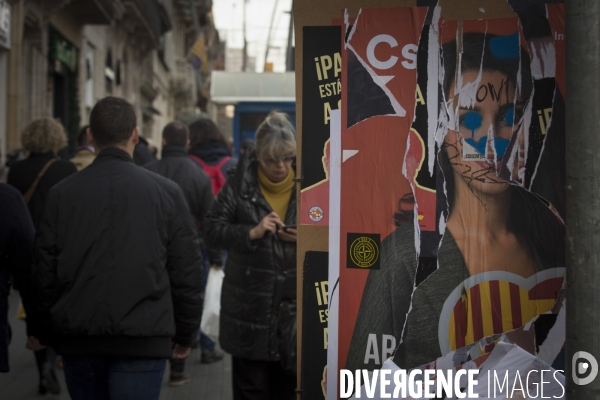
[212,381]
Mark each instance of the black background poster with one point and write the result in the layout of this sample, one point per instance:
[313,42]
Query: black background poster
[314,324]
[321,85]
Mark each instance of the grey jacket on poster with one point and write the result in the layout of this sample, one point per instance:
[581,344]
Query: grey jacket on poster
[387,298]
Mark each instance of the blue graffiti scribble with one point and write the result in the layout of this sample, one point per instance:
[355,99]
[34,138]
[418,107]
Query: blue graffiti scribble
[505,47]
[500,145]
[480,145]
[472,121]
[510,116]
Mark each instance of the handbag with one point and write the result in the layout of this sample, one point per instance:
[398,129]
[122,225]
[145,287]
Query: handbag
[209,324]
[34,185]
[287,335]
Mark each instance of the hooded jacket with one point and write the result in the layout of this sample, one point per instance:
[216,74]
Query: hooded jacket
[213,153]
[117,265]
[260,273]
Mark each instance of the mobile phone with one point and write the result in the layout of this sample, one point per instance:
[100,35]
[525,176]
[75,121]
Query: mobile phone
[285,228]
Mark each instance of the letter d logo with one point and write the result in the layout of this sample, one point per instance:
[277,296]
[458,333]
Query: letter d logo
[579,367]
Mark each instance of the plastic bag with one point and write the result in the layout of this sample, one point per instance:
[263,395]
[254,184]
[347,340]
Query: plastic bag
[212,304]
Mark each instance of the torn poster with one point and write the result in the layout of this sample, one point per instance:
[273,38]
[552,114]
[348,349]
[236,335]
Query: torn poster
[465,217]
[381,60]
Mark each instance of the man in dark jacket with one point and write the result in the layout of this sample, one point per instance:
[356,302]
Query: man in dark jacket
[16,244]
[196,186]
[178,167]
[117,268]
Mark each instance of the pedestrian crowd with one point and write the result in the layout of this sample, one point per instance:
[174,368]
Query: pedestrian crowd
[111,250]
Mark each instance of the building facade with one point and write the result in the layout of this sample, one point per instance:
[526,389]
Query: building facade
[59,57]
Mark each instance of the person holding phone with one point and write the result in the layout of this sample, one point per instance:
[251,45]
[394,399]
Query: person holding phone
[254,218]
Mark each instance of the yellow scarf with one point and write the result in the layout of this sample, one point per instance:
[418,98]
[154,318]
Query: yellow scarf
[277,194]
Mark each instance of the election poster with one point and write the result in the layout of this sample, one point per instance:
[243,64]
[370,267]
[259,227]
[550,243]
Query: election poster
[377,112]
[321,80]
[315,306]
[452,202]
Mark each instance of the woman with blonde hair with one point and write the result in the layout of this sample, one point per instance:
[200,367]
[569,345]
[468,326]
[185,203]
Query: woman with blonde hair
[34,177]
[254,218]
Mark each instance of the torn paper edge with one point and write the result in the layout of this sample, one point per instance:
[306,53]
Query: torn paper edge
[467,93]
[347,154]
[347,25]
[556,337]
[400,111]
[417,229]
[335,185]
[433,65]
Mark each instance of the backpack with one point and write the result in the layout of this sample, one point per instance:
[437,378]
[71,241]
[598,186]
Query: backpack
[217,179]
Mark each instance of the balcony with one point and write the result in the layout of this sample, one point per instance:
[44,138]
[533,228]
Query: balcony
[92,12]
[183,80]
[153,17]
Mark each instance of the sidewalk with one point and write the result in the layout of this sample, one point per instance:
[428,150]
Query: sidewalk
[210,382]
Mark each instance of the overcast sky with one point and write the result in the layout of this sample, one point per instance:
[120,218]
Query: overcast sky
[228,15]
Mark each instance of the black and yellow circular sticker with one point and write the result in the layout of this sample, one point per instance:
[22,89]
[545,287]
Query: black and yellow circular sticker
[363,251]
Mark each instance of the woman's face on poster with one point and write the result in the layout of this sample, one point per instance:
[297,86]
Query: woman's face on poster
[484,131]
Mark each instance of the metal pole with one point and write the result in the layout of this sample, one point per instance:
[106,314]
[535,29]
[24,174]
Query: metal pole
[245,55]
[583,189]
[289,59]
[270,29]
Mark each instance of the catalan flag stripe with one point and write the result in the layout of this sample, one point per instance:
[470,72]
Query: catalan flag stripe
[460,339]
[486,309]
[476,314]
[515,304]
[505,306]
[496,304]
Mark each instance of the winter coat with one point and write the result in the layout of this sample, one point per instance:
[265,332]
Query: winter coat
[213,153]
[16,244]
[23,173]
[260,273]
[141,153]
[195,184]
[116,264]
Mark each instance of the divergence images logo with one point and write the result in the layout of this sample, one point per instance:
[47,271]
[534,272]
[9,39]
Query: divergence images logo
[582,363]
[363,250]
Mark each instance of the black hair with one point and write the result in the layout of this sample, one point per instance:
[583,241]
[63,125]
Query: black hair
[176,133]
[204,131]
[476,53]
[530,217]
[112,121]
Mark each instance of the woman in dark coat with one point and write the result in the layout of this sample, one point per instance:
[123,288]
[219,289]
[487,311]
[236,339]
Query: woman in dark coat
[254,218]
[42,139]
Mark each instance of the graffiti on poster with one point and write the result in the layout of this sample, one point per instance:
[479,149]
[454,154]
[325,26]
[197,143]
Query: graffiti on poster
[458,169]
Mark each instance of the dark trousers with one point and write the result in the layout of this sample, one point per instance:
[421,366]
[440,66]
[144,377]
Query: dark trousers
[177,365]
[5,333]
[104,378]
[261,380]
